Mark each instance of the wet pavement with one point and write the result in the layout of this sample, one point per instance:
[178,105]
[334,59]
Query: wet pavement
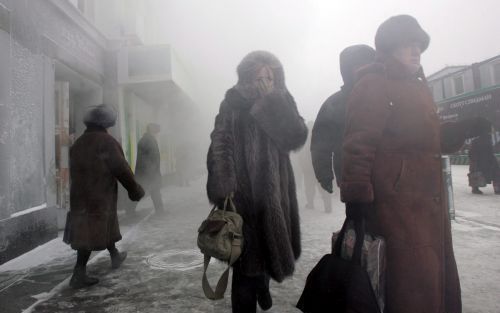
[164,267]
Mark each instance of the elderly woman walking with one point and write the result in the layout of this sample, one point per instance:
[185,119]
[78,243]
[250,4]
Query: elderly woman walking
[392,175]
[257,126]
[96,164]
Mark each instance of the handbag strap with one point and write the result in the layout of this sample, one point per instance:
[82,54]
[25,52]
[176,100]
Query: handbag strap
[221,287]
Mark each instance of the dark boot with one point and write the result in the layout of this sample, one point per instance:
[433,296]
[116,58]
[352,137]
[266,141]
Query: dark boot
[264,296]
[80,279]
[117,257]
[476,191]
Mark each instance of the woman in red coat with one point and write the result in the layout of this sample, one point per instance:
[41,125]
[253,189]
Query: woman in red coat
[392,171]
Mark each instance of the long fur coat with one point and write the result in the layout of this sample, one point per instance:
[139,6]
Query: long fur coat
[249,155]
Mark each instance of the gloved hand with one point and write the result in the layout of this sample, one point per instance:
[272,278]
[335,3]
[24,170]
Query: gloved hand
[327,185]
[357,211]
[137,194]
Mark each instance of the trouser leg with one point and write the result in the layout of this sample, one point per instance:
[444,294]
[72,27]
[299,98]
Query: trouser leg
[112,249]
[310,189]
[156,197]
[243,292]
[82,257]
[327,200]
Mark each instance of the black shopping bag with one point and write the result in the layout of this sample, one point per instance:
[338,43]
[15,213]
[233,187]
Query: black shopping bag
[336,285]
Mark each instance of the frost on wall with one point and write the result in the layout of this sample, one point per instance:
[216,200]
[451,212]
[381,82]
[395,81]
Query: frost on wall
[26,130]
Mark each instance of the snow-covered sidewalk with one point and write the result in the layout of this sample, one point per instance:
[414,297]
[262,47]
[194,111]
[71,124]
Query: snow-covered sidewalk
[164,268]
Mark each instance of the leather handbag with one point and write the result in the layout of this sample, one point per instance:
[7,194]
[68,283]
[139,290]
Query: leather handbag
[337,285]
[220,236]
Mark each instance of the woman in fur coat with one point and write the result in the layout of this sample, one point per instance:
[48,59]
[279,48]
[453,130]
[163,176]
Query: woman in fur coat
[257,126]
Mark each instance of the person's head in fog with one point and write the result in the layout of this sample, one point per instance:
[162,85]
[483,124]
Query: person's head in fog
[260,73]
[402,38]
[100,116]
[153,129]
[353,58]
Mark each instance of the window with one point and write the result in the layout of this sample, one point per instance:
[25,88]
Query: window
[458,82]
[496,73]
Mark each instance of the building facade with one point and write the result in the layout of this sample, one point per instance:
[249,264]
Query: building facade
[468,91]
[57,57]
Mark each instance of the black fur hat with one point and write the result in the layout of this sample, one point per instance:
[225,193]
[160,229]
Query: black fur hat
[398,30]
[101,115]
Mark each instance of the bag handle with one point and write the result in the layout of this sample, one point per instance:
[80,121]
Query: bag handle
[221,287]
[229,200]
[359,229]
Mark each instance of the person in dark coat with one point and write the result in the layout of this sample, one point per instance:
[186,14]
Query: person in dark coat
[482,159]
[392,172]
[257,126]
[310,183]
[96,164]
[147,168]
[328,130]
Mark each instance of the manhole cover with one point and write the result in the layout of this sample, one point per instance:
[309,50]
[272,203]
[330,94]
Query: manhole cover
[179,260]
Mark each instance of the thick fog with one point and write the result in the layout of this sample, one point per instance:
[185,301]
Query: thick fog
[211,37]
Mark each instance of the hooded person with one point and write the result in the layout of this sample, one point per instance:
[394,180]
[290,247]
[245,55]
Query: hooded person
[328,130]
[257,127]
[96,164]
[392,171]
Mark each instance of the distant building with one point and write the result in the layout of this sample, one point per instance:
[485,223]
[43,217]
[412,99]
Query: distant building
[467,91]
[56,58]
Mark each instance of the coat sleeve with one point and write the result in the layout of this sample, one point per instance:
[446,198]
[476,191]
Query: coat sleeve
[220,159]
[367,112]
[323,136]
[114,158]
[277,115]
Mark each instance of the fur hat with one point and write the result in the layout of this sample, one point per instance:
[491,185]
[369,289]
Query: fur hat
[101,115]
[251,64]
[398,30]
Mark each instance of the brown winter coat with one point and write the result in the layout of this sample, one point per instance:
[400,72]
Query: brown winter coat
[249,155]
[96,163]
[392,158]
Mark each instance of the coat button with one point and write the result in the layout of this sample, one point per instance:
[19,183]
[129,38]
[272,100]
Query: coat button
[437,156]
[437,199]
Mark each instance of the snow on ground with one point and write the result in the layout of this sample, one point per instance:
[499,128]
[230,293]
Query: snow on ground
[163,270]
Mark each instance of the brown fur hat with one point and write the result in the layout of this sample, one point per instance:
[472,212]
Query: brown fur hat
[398,30]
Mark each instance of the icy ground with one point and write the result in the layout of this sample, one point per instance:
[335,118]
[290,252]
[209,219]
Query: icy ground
[163,270]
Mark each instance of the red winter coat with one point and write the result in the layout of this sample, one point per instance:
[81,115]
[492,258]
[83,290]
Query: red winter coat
[392,158]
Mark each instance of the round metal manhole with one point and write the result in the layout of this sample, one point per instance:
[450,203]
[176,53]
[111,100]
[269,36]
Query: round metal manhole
[179,260]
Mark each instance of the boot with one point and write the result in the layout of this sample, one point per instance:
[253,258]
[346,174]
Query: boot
[263,295]
[80,279]
[264,300]
[117,259]
[476,191]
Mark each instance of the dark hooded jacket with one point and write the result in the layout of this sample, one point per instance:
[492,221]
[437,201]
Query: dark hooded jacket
[249,155]
[328,130]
